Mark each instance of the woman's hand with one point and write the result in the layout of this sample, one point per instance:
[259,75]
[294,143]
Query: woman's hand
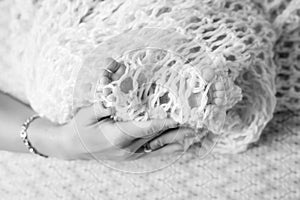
[88,138]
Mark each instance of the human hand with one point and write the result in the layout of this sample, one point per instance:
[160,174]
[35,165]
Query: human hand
[88,138]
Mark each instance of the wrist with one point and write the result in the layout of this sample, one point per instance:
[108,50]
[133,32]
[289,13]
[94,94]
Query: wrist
[45,137]
[70,142]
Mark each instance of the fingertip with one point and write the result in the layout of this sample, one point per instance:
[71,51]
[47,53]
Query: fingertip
[171,123]
[155,144]
[172,148]
[101,110]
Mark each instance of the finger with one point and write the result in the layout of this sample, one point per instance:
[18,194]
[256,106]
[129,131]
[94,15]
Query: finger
[138,145]
[95,112]
[146,129]
[171,136]
[169,149]
[166,150]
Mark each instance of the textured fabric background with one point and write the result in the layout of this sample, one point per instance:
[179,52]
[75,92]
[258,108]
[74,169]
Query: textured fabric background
[269,170]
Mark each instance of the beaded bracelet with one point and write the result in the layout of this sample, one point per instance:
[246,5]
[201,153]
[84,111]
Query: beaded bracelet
[25,138]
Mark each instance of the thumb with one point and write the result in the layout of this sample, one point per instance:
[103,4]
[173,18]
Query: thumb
[144,129]
[88,115]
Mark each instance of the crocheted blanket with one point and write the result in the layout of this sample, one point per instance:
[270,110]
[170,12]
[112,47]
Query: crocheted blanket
[234,39]
[268,170]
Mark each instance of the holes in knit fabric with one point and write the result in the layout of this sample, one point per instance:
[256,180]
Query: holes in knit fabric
[288,72]
[195,49]
[195,19]
[126,85]
[216,35]
[163,10]
[230,58]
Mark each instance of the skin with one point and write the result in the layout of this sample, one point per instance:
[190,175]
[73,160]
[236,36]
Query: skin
[114,71]
[12,114]
[86,136]
[92,134]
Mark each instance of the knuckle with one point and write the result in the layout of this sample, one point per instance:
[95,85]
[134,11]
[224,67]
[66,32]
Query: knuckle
[123,153]
[170,123]
[159,143]
[162,124]
[155,129]
[120,143]
[116,142]
[159,126]
[126,152]
[151,130]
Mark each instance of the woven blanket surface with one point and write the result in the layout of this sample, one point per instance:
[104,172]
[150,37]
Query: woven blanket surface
[268,170]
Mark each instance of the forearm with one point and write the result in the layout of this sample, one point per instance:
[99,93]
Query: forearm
[42,133]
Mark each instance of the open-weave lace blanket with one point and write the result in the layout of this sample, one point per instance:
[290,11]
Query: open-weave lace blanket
[268,170]
[58,48]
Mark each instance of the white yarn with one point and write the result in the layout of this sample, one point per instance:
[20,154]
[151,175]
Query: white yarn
[63,35]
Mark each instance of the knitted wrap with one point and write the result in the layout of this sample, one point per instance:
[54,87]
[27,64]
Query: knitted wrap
[164,46]
[158,84]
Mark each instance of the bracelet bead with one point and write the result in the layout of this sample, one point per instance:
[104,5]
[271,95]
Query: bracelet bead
[24,135]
